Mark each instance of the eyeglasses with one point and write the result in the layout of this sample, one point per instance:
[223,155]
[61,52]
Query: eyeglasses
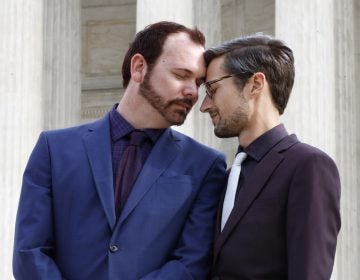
[210,91]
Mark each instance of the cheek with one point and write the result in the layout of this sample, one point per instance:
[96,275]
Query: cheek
[225,105]
[249,106]
[166,85]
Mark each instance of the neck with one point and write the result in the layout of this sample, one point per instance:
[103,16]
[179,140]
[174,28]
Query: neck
[257,127]
[138,112]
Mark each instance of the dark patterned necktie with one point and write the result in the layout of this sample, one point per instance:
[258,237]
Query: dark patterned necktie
[129,168]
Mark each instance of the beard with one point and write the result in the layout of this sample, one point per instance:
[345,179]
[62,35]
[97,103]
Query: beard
[234,124]
[167,109]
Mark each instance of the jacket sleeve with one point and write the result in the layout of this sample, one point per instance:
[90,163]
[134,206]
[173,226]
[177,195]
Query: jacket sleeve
[193,254]
[34,234]
[313,219]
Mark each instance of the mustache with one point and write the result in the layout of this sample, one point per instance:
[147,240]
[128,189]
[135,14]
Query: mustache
[183,101]
[212,112]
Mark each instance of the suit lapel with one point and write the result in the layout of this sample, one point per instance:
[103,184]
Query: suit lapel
[162,154]
[219,211]
[98,145]
[249,192]
[258,180]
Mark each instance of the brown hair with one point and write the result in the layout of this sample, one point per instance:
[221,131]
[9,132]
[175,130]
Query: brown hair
[149,43]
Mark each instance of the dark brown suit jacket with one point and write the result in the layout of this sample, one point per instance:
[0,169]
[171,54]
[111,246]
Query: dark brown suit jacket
[285,221]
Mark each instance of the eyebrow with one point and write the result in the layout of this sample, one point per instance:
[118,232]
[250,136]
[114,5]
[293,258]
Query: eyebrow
[189,72]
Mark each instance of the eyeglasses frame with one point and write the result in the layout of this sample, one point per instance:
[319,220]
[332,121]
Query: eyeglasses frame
[210,92]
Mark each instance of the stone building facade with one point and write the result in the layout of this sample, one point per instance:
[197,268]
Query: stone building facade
[60,64]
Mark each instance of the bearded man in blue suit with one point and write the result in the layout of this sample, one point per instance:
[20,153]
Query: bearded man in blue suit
[67,225]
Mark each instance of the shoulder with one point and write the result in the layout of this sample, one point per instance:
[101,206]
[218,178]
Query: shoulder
[308,161]
[291,147]
[191,145]
[306,152]
[299,157]
[77,130]
[195,155]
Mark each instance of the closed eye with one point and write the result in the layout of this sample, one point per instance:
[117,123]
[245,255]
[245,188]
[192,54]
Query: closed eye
[180,76]
[183,74]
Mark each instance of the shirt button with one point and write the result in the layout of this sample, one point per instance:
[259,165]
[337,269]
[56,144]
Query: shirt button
[113,248]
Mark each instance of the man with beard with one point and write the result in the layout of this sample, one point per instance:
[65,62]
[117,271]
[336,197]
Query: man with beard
[279,217]
[84,212]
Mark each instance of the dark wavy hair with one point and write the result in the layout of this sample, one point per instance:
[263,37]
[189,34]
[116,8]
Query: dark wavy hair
[259,53]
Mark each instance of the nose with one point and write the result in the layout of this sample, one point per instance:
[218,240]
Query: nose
[191,90]
[206,104]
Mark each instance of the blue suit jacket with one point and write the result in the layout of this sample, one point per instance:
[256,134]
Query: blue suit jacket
[66,226]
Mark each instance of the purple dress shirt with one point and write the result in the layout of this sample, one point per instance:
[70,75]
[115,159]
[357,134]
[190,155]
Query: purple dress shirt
[120,130]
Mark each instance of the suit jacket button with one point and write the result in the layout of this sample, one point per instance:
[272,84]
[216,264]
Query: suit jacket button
[113,248]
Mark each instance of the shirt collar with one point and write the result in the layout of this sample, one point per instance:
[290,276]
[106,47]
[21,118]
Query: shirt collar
[262,145]
[120,127]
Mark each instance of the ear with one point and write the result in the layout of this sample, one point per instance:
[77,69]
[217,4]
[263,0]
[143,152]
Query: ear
[258,84]
[138,67]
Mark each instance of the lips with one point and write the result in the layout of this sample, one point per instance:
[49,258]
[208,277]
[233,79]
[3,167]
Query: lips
[186,104]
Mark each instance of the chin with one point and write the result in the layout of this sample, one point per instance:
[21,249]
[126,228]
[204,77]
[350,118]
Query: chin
[175,121]
[176,118]
[221,133]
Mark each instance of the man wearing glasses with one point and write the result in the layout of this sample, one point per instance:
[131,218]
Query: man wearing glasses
[279,217]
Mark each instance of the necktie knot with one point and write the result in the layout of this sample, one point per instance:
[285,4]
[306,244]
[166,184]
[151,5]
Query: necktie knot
[137,138]
[240,157]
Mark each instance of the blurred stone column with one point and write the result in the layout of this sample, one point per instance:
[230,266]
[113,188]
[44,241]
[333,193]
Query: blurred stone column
[322,108]
[356,124]
[150,11]
[38,68]
[62,60]
[308,28]
[347,135]
[21,107]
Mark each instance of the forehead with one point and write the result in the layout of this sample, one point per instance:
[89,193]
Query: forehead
[179,51]
[215,69]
